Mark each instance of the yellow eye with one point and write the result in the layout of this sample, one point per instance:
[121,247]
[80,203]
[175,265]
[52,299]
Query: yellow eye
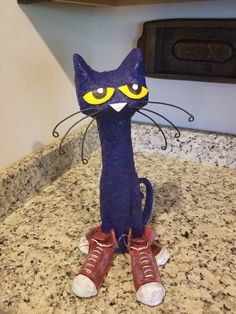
[134,91]
[99,96]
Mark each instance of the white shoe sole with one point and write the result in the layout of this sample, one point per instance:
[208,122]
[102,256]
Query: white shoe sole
[84,245]
[162,257]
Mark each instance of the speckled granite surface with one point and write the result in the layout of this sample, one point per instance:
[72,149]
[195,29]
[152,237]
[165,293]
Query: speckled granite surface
[204,147]
[194,216]
[27,177]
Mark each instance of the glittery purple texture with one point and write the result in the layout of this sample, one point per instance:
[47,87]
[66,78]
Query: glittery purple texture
[120,195]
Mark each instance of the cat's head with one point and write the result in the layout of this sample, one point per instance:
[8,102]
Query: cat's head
[115,92]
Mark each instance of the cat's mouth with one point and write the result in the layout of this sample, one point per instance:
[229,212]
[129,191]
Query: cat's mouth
[118,106]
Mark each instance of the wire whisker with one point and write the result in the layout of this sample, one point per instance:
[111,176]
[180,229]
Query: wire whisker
[55,133]
[177,135]
[84,160]
[191,117]
[144,114]
[61,151]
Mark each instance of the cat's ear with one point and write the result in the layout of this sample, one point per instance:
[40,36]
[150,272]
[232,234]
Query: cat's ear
[82,69]
[133,63]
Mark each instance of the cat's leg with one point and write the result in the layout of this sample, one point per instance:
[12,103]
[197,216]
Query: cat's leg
[115,207]
[102,247]
[161,254]
[149,289]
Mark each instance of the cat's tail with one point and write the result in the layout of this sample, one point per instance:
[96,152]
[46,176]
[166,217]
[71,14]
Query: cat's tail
[148,201]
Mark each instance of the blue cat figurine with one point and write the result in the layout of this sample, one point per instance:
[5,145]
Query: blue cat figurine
[112,98]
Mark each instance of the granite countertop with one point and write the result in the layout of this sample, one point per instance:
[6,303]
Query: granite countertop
[194,215]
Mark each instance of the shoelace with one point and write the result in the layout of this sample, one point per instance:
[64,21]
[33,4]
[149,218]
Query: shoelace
[94,256]
[145,261]
[122,237]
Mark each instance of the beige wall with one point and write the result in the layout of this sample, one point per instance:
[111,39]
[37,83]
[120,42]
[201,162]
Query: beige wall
[36,72]
[35,91]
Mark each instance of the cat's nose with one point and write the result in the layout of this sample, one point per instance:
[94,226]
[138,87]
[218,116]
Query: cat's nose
[118,106]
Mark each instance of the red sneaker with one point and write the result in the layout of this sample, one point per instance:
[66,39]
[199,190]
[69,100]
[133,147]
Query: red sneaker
[91,275]
[161,254]
[147,282]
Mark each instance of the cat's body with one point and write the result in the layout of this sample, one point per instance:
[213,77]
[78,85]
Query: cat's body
[120,195]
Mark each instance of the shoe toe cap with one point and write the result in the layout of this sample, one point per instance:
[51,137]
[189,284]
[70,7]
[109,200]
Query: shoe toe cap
[84,287]
[151,293]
